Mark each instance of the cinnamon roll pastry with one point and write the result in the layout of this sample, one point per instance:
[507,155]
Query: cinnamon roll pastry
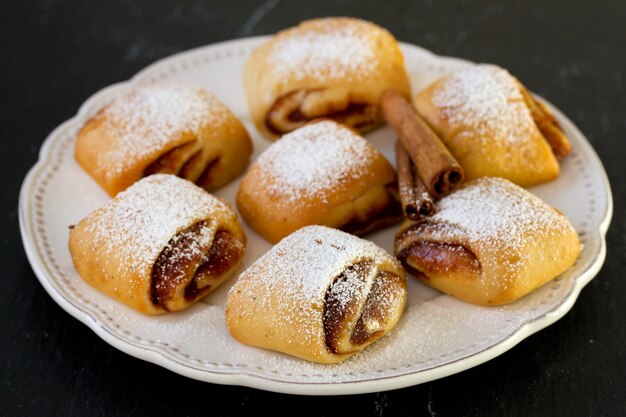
[163,128]
[322,173]
[493,126]
[320,294]
[491,242]
[333,67]
[158,246]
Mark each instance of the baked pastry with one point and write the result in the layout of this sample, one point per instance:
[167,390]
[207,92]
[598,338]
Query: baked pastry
[322,173]
[163,128]
[320,294]
[334,67]
[493,126]
[491,242]
[158,246]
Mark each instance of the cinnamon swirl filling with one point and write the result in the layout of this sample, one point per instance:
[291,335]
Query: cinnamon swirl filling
[297,108]
[369,217]
[359,306]
[424,258]
[172,161]
[192,263]
[186,161]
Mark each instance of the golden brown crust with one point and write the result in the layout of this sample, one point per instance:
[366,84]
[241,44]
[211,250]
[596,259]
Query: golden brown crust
[547,125]
[320,295]
[333,67]
[154,247]
[490,243]
[320,174]
[163,128]
[481,114]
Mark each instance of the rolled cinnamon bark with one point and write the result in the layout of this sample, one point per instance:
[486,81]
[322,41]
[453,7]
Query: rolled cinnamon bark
[414,196]
[439,170]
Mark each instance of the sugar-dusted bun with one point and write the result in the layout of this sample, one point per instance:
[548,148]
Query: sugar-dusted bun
[158,246]
[323,174]
[490,242]
[334,67]
[320,294]
[164,128]
[483,114]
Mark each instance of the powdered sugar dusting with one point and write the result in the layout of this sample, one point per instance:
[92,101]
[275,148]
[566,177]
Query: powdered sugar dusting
[201,325]
[501,214]
[427,333]
[299,270]
[134,227]
[152,118]
[313,159]
[326,49]
[356,281]
[488,99]
[414,342]
[181,257]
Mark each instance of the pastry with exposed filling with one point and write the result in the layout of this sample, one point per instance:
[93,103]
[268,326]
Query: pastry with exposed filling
[320,294]
[334,67]
[165,128]
[493,126]
[158,246]
[491,242]
[322,173]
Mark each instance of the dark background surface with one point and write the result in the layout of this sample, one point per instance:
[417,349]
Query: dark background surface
[56,54]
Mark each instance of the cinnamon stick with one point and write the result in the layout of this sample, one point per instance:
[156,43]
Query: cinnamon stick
[414,196]
[436,166]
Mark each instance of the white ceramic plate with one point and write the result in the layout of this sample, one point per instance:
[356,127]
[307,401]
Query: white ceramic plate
[437,336]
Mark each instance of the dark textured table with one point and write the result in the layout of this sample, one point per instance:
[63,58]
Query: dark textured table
[56,54]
